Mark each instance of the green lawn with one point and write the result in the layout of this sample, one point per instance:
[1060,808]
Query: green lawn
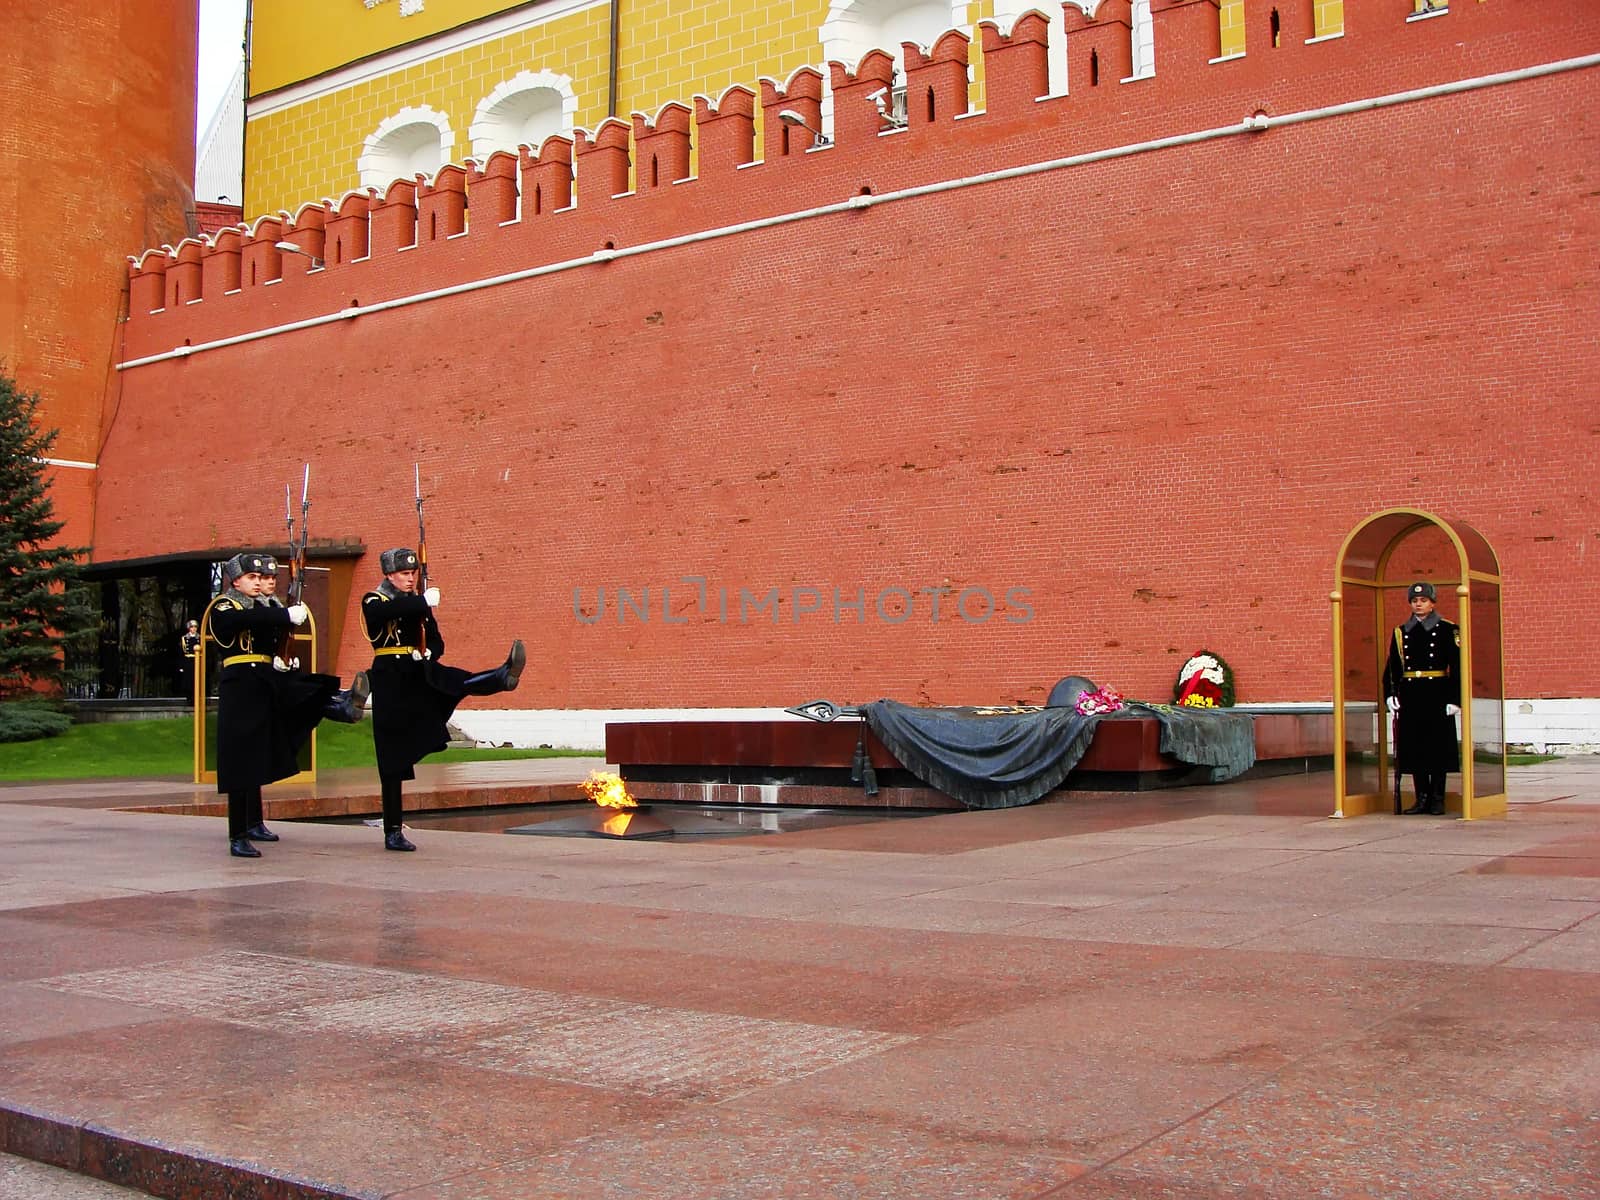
[139,748]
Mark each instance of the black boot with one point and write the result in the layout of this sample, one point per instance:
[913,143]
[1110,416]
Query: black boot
[1436,803]
[394,839]
[499,679]
[349,707]
[1419,786]
[241,848]
[259,833]
[515,661]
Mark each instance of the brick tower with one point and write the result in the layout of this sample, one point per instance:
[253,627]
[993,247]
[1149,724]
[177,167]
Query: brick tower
[98,153]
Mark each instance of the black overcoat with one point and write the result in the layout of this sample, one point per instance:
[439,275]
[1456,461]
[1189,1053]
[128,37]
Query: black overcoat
[1424,673]
[264,716]
[413,695]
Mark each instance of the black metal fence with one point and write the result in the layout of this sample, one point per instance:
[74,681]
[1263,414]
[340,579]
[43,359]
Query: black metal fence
[139,654]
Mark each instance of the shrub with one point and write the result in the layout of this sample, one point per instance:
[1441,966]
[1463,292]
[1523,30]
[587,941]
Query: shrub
[26,720]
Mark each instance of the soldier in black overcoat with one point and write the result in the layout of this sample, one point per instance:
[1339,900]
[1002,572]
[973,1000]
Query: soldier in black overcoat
[265,710]
[413,692]
[1422,686]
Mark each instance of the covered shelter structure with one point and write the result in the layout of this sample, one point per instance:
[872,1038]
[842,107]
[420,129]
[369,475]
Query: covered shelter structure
[1378,561]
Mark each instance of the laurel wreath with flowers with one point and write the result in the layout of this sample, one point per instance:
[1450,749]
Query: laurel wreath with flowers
[1204,681]
[1101,700]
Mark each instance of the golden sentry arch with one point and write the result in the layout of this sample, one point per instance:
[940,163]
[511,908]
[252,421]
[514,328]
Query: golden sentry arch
[1379,559]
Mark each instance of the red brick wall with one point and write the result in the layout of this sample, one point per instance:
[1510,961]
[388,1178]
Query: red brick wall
[97,151]
[1156,391]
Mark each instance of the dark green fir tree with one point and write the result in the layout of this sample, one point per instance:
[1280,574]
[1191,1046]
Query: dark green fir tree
[43,614]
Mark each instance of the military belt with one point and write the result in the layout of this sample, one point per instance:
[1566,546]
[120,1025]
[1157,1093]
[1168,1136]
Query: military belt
[382,650]
[1426,674]
[236,659]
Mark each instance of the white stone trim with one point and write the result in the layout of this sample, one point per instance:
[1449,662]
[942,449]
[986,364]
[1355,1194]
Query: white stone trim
[375,166]
[72,463]
[1554,726]
[585,728]
[1144,42]
[481,132]
[476,34]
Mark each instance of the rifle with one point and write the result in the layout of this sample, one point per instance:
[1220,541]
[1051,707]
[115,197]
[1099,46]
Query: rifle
[297,552]
[1394,749]
[297,558]
[429,644]
[422,532]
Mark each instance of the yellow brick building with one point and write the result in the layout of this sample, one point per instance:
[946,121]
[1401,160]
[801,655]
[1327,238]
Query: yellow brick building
[351,93]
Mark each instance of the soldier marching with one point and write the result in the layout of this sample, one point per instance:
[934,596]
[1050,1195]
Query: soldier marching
[413,692]
[266,708]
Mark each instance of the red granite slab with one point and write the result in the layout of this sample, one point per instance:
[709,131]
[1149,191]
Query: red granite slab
[1419,1107]
[299,1100]
[1122,744]
[712,1153]
[49,940]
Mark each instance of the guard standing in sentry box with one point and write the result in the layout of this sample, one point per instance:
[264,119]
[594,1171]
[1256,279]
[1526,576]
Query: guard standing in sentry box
[413,692]
[1422,686]
[265,713]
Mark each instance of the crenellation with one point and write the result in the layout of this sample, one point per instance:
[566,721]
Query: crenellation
[183,276]
[393,223]
[307,229]
[1099,49]
[1191,40]
[311,210]
[546,177]
[442,205]
[219,266]
[1017,64]
[147,282]
[260,260]
[492,191]
[801,94]
[347,228]
[661,147]
[936,80]
[602,162]
[726,129]
[857,119]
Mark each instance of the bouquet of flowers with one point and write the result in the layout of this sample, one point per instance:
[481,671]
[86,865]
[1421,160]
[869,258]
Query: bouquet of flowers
[1101,700]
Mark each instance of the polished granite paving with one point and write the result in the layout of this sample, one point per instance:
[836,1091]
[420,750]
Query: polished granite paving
[1208,992]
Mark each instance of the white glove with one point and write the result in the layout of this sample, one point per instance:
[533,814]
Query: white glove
[1394,704]
[297,614]
[278,664]
[1453,710]
[432,597]
[416,656]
